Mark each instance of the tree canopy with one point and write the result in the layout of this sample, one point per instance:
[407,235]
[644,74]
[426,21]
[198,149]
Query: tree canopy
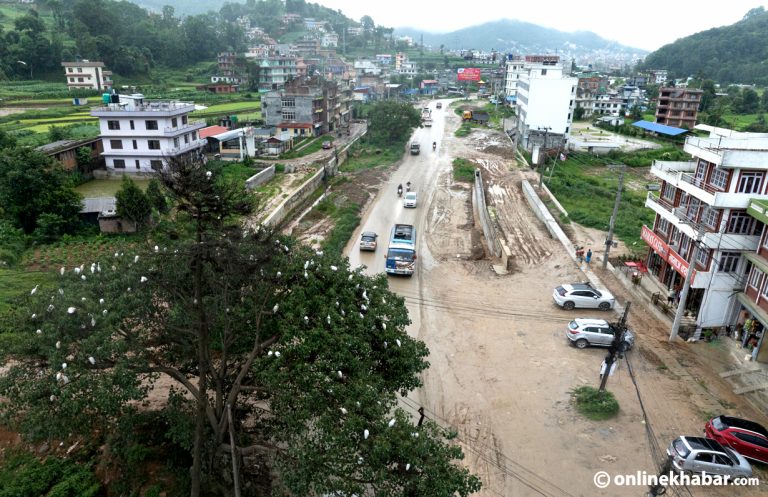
[282,356]
[391,121]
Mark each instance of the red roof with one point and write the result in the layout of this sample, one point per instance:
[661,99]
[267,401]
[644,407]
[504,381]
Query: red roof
[294,125]
[212,131]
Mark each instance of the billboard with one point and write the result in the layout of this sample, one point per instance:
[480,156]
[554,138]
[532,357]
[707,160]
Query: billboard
[468,74]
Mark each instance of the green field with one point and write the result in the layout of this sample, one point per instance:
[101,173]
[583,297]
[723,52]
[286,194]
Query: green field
[106,187]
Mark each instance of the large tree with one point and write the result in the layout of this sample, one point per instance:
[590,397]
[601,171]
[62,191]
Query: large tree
[392,122]
[33,184]
[282,356]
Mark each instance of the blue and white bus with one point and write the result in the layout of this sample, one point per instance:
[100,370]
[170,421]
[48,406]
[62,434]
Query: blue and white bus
[401,254]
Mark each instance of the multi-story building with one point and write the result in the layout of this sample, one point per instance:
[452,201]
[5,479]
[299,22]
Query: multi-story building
[546,98]
[514,67]
[753,299]
[329,40]
[227,63]
[308,107]
[657,76]
[139,136]
[678,107]
[400,59]
[87,75]
[276,71]
[307,46]
[607,105]
[704,203]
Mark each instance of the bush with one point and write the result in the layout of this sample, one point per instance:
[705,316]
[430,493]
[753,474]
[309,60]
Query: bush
[23,475]
[594,404]
[463,170]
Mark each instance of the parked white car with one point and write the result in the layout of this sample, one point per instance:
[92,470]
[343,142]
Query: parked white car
[410,199]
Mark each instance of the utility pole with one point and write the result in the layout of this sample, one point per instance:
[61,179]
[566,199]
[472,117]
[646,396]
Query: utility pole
[686,285]
[546,134]
[617,348]
[609,240]
[552,171]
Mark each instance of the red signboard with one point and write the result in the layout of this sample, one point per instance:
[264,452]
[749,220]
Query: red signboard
[468,74]
[665,252]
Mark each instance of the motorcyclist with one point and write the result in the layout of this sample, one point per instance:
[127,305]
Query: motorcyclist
[434,145]
[400,190]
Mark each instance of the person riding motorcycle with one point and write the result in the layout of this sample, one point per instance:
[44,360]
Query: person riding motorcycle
[400,190]
[434,145]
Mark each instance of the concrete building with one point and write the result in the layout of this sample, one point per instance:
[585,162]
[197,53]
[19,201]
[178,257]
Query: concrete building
[706,201]
[546,98]
[87,75]
[657,76]
[65,151]
[139,136]
[752,319]
[678,107]
[276,71]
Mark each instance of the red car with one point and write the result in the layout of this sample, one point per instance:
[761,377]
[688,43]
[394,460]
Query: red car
[746,437]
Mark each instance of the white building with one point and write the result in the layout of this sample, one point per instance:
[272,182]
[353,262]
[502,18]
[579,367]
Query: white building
[707,199]
[364,66]
[139,136]
[329,40]
[546,98]
[87,75]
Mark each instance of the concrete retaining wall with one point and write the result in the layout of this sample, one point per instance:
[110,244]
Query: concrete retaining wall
[260,178]
[481,211]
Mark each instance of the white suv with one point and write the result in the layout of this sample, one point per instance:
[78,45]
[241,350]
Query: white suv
[570,296]
[599,332]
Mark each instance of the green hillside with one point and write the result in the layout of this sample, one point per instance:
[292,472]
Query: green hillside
[730,54]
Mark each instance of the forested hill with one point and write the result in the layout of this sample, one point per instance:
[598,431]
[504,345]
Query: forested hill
[131,40]
[731,54]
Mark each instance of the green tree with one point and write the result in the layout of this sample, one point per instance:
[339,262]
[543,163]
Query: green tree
[156,196]
[31,184]
[302,353]
[763,103]
[392,122]
[132,203]
[84,160]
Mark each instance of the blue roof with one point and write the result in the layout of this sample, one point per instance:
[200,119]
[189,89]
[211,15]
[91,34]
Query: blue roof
[659,128]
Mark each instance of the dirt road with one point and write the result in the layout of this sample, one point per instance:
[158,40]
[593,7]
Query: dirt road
[501,368]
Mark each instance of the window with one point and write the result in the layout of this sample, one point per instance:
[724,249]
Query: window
[174,122]
[668,192]
[702,257]
[729,261]
[288,102]
[186,137]
[71,80]
[710,216]
[79,69]
[135,145]
[113,125]
[132,126]
[719,178]
[153,144]
[118,164]
[741,223]
[79,80]
[750,183]
[685,245]
[184,119]
[704,457]
[755,277]
[176,142]
[662,226]
[288,116]
[156,165]
[69,69]
[543,72]
[150,124]
[116,144]
[138,164]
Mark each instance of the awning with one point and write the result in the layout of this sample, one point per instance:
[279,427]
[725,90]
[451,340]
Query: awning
[659,128]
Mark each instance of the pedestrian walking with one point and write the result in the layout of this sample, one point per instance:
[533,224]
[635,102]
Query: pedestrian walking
[671,296]
[580,255]
[588,257]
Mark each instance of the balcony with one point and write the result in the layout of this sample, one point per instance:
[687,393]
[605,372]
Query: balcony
[671,171]
[194,144]
[185,128]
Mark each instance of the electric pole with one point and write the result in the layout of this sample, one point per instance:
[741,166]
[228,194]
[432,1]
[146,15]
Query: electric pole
[617,348]
[686,285]
[609,240]
[546,133]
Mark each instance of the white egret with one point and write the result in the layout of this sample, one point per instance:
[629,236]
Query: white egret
[58,345]
[341,375]
[71,310]
[334,268]
[143,279]
[62,270]
[92,360]
[274,309]
[50,307]
[408,466]
[101,301]
[391,422]
[365,434]
[104,312]
[277,353]
[398,342]
[39,332]
[343,411]
[34,290]
[136,259]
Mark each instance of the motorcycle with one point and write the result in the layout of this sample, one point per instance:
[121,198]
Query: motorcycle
[399,191]
[434,146]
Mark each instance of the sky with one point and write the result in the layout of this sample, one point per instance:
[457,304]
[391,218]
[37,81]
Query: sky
[648,24]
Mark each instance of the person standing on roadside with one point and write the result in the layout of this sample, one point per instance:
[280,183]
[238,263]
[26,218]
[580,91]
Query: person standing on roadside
[588,257]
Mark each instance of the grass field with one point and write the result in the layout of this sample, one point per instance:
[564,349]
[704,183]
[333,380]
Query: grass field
[106,187]
[15,283]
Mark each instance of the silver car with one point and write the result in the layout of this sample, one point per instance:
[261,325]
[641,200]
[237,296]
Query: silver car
[702,455]
[583,332]
[410,199]
[570,296]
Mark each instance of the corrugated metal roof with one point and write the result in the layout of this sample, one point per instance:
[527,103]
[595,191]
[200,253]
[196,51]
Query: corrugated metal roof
[98,204]
[659,128]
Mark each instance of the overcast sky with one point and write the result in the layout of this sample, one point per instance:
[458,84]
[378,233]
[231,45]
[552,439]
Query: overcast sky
[646,24]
